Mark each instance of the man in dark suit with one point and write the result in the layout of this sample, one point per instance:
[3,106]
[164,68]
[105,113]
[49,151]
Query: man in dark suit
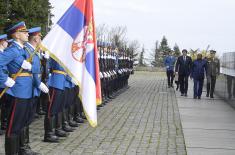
[183,68]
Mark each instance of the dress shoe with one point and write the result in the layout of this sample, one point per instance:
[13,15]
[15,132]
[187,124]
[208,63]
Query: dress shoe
[73,123]
[61,133]
[27,151]
[185,95]
[78,119]
[199,97]
[67,128]
[51,138]
[182,94]
[211,96]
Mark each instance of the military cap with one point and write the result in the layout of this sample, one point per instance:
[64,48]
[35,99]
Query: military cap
[98,43]
[19,27]
[212,51]
[35,31]
[3,36]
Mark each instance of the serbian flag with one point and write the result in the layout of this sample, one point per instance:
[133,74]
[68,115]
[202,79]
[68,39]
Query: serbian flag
[72,43]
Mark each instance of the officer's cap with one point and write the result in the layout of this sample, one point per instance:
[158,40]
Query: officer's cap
[35,31]
[3,37]
[19,27]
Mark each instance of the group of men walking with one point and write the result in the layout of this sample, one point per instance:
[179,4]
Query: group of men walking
[183,67]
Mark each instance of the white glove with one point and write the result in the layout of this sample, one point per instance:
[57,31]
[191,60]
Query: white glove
[26,65]
[101,75]
[10,82]
[43,88]
[46,55]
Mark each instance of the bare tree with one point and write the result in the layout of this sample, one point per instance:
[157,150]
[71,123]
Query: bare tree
[101,31]
[117,36]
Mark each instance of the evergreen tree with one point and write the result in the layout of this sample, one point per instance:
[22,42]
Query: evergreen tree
[163,50]
[155,56]
[141,59]
[4,14]
[176,50]
[34,13]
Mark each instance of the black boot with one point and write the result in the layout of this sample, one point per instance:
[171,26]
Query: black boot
[77,111]
[70,113]
[12,145]
[49,135]
[58,130]
[65,124]
[39,110]
[24,143]
[78,119]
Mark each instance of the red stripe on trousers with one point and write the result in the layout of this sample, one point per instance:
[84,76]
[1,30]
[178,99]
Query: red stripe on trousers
[50,103]
[11,119]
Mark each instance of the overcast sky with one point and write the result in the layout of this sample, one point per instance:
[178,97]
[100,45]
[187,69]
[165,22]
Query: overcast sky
[189,23]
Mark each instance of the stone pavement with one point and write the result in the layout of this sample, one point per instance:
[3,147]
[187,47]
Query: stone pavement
[144,119]
[208,125]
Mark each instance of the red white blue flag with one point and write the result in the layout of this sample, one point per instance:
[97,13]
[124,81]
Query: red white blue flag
[72,42]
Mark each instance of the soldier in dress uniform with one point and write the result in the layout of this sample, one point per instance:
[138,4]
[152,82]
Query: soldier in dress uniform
[3,45]
[53,117]
[32,49]
[213,71]
[69,101]
[100,58]
[15,58]
[78,117]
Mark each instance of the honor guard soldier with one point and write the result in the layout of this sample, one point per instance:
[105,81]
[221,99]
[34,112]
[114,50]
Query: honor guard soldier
[213,71]
[3,45]
[15,58]
[68,109]
[34,41]
[56,84]
[32,50]
[100,58]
